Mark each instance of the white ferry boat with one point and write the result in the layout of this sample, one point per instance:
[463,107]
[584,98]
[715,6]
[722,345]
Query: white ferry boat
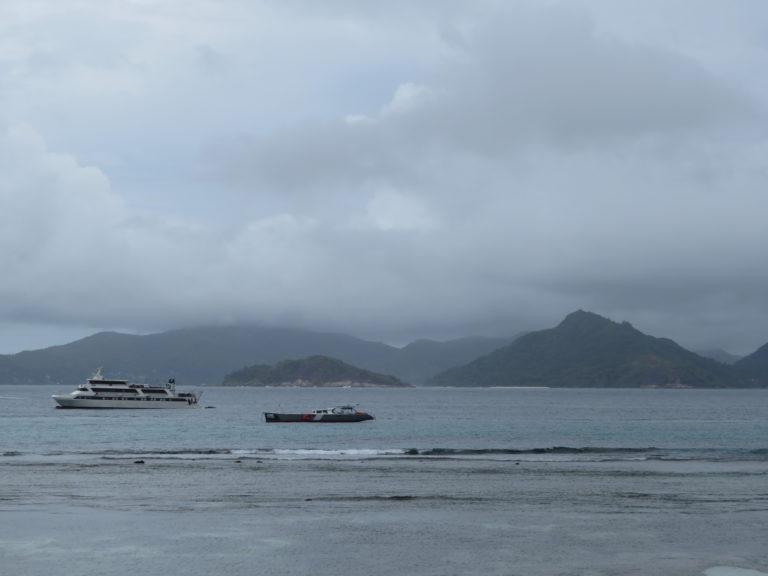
[99,392]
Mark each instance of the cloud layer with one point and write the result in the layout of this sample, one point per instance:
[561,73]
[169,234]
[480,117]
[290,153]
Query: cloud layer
[393,171]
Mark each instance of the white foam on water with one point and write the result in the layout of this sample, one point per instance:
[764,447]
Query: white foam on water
[339,453]
[732,571]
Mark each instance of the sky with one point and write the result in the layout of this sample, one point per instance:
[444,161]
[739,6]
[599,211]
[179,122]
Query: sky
[391,170]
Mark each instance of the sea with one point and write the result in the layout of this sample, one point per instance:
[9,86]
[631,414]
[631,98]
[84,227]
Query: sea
[444,481]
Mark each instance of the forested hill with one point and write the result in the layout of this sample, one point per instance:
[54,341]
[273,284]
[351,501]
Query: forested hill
[587,350]
[312,371]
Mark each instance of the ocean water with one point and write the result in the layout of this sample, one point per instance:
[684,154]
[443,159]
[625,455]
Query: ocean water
[444,481]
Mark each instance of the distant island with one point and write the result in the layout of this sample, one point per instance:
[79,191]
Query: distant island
[313,371]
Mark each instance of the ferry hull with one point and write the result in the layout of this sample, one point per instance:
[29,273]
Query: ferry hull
[66,401]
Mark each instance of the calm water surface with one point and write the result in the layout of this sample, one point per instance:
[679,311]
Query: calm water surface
[444,481]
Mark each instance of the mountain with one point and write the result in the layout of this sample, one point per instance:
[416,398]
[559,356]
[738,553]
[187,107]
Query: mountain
[197,356]
[753,369]
[312,371]
[420,360]
[587,350]
[584,350]
[719,355]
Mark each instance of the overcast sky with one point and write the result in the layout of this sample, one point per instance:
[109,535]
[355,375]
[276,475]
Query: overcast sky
[392,170]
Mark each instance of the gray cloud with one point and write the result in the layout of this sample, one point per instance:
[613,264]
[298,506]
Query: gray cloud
[423,172]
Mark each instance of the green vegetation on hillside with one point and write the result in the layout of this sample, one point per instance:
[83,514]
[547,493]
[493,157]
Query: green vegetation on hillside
[587,350]
[312,371]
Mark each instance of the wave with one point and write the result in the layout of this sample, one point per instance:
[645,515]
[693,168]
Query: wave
[364,453]
[514,451]
[553,453]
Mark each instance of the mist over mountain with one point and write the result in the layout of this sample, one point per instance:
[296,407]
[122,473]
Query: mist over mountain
[720,355]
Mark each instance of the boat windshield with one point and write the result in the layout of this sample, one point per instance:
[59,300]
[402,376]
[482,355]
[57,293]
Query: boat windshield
[344,410]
